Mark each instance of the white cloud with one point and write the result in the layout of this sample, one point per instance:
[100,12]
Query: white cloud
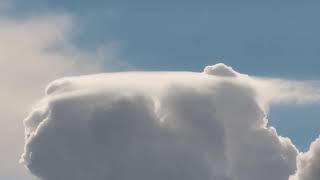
[220,69]
[33,52]
[133,125]
[283,91]
[309,163]
[168,125]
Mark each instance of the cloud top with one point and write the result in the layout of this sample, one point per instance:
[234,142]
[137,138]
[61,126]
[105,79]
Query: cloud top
[220,69]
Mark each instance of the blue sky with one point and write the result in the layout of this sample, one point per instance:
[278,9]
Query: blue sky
[262,38]
[274,38]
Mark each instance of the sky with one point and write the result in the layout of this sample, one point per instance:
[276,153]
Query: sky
[48,39]
[256,37]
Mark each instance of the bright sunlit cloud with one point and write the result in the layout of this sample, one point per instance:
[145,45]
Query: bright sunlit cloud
[209,125]
[164,125]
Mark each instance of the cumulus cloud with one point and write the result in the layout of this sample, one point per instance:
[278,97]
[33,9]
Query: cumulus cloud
[220,69]
[309,163]
[157,125]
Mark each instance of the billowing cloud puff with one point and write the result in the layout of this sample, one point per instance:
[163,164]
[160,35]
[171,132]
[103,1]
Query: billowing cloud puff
[156,125]
[309,163]
[220,69]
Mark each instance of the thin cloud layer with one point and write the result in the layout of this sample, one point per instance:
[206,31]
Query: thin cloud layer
[158,125]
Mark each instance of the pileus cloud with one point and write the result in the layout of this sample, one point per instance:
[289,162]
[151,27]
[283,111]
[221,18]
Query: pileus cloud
[163,125]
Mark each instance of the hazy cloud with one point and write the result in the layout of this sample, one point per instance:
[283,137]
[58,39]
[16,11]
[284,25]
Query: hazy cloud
[33,52]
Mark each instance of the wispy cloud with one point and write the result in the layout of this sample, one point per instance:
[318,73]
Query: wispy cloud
[276,91]
[34,51]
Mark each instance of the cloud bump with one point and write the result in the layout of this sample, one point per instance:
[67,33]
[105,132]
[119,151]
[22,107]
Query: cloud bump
[157,125]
